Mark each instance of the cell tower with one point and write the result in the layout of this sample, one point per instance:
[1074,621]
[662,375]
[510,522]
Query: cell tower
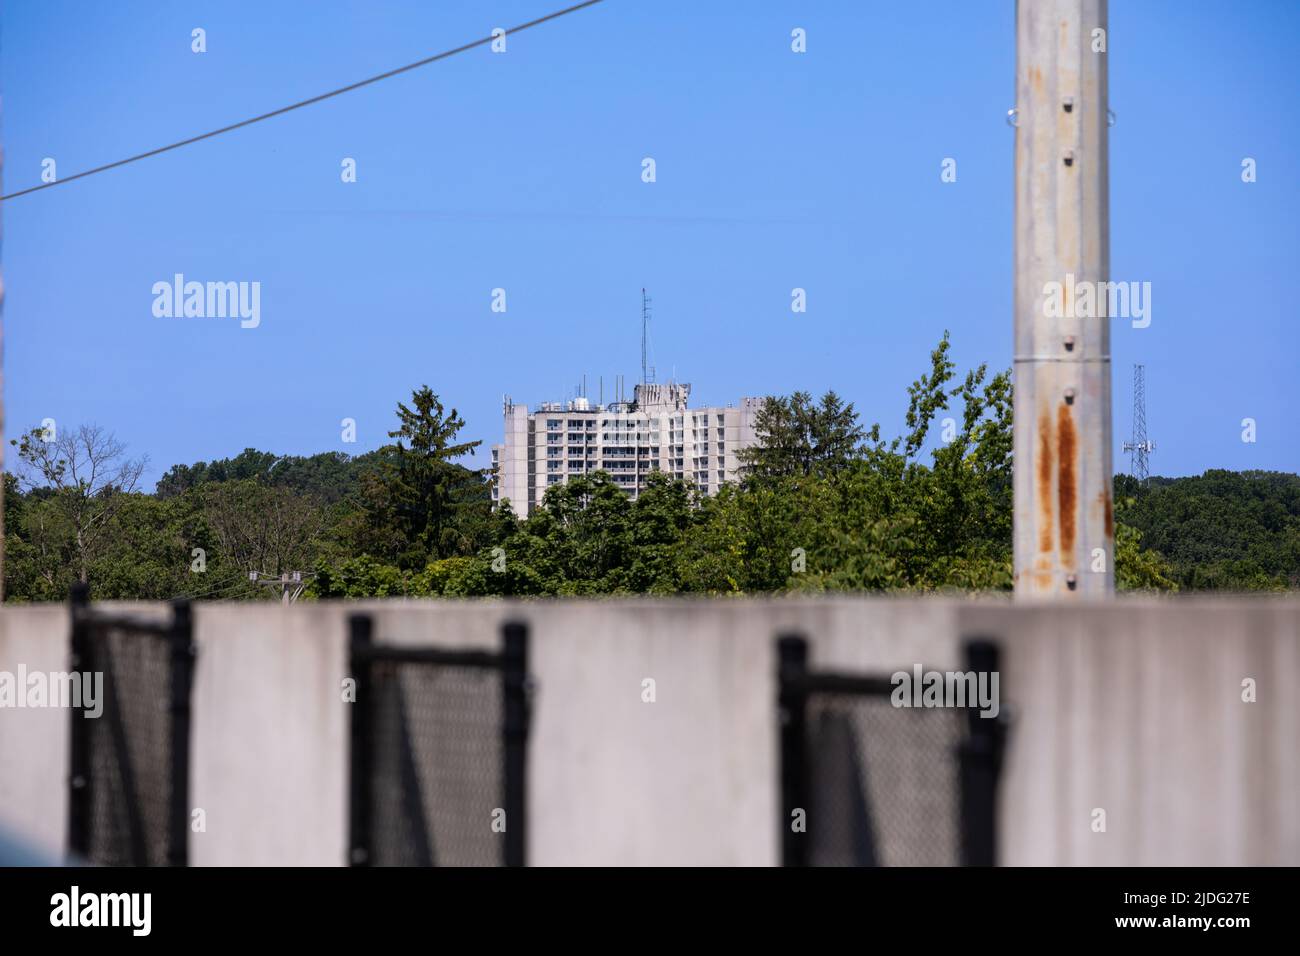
[647,373]
[1140,446]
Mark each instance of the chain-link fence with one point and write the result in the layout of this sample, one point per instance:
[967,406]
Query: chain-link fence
[438,753]
[868,783]
[128,800]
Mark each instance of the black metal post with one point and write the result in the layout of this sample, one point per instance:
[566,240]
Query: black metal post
[360,634]
[78,729]
[792,669]
[981,763]
[515,700]
[182,680]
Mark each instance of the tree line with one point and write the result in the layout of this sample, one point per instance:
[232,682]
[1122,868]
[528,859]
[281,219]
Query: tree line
[825,504]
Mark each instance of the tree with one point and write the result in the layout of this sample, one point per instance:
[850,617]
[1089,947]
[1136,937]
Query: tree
[150,554]
[1221,530]
[797,437]
[329,476]
[825,505]
[89,476]
[877,517]
[258,527]
[420,504]
[1136,569]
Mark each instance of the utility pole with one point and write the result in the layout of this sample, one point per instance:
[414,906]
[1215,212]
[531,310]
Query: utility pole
[290,583]
[2,410]
[1064,538]
[1141,446]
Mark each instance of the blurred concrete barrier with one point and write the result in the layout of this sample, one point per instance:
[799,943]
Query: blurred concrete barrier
[1143,732]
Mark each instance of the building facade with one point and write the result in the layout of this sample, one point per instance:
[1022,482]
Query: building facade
[656,431]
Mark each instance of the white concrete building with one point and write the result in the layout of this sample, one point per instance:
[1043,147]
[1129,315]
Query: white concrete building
[629,440]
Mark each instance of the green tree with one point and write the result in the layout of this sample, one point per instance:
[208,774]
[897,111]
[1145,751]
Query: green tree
[1136,569]
[260,527]
[87,479]
[420,505]
[1221,530]
[889,520]
[796,436]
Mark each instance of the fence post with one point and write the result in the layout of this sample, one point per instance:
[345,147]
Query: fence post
[981,762]
[78,744]
[515,685]
[792,656]
[182,678]
[360,632]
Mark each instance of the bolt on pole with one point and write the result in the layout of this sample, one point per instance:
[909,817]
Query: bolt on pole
[1064,538]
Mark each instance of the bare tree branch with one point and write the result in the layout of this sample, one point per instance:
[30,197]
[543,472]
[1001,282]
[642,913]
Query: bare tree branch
[90,475]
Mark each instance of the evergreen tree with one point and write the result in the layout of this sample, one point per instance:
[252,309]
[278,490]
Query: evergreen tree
[420,496]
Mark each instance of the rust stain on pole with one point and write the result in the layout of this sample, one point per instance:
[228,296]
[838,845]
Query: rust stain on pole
[1068,445]
[1045,521]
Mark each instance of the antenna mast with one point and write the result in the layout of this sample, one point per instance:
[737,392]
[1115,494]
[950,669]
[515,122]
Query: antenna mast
[1140,447]
[647,373]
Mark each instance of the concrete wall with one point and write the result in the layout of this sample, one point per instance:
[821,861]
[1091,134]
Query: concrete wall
[1133,707]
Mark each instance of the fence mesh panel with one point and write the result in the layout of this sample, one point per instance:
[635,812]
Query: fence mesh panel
[884,783]
[129,748]
[436,776]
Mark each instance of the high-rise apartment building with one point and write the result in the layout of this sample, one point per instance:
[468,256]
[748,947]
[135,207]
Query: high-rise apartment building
[656,431]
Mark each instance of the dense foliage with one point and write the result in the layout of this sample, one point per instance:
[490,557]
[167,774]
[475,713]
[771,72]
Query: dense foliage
[1222,530]
[826,504]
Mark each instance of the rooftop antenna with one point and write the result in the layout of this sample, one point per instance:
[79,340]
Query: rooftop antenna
[647,373]
[1141,446]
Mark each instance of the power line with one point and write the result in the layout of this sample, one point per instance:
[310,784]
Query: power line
[214,587]
[315,99]
[222,580]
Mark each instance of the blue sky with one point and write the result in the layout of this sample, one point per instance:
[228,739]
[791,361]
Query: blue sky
[523,171]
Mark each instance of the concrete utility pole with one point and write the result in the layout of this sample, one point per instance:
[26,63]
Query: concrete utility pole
[1064,539]
[2,410]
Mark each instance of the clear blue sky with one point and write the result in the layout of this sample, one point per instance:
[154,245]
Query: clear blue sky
[522,171]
